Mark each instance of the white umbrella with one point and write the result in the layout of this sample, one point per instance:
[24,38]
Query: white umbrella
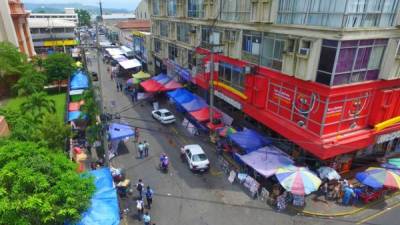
[328,173]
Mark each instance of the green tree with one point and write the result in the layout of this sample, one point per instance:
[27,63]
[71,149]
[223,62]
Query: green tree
[30,82]
[90,107]
[54,132]
[58,67]
[23,127]
[83,17]
[12,62]
[39,186]
[37,105]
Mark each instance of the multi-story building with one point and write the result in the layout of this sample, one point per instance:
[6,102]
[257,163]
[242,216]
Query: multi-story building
[320,77]
[14,26]
[69,14]
[50,34]
[142,11]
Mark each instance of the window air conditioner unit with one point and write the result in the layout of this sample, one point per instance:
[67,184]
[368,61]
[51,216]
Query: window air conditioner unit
[304,51]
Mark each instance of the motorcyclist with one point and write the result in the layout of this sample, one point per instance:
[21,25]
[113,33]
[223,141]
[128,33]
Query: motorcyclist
[164,161]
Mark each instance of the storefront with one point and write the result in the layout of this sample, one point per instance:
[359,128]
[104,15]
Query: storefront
[322,122]
[183,75]
[50,46]
[139,42]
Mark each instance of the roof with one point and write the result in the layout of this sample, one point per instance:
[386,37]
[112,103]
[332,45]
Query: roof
[195,149]
[49,22]
[119,16]
[163,110]
[134,24]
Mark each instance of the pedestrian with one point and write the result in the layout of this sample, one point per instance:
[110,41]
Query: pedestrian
[117,83]
[140,150]
[146,218]
[121,87]
[139,188]
[146,148]
[149,197]
[348,195]
[140,208]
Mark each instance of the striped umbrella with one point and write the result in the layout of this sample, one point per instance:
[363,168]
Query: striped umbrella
[379,177]
[394,161]
[298,180]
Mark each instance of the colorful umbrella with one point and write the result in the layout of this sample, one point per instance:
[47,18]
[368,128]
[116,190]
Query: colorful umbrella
[328,173]
[298,180]
[379,177]
[141,75]
[225,131]
[130,81]
[394,161]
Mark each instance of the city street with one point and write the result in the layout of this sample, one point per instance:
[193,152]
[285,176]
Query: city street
[182,197]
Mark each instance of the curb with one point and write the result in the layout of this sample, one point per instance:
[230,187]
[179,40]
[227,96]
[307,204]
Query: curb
[339,214]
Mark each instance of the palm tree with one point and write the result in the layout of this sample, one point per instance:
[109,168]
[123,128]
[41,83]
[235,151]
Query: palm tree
[30,82]
[38,105]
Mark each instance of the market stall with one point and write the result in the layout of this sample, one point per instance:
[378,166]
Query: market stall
[79,80]
[248,140]
[116,133]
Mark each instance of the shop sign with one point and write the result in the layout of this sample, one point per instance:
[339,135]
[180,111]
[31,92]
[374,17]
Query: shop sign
[229,100]
[282,95]
[334,110]
[387,137]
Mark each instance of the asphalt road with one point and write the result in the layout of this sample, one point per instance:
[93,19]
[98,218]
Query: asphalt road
[182,197]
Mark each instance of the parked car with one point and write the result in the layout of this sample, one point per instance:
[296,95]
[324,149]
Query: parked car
[94,76]
[196,158]
[163,115]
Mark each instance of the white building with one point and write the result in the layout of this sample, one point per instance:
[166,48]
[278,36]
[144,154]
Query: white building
[69,14]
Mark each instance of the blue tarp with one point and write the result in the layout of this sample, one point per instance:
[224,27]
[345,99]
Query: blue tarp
[177,92]
[196,104]
[104,209]
[249,140]
[118,131]
[75,115]
[79,81]
[183,97]
[159,77]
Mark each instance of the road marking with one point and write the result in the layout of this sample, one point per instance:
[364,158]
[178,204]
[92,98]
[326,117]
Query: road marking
[214,172]
[378,214]
[178,136]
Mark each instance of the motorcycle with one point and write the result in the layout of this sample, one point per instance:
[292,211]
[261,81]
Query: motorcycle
[164,162]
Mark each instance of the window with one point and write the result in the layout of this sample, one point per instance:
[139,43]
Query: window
[273,46]
[205,35]
[182,31]
[35,30]
[236,10]
[164,28]
[191,59]
[231,75]
[172,52]
[171,7]
[157,45]
[196,8]
[338,13]
[156,7]
[251,42]
[350,61]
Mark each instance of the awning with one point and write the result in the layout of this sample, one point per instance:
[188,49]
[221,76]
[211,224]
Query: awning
[196,104]
[266,160]
[104,208]
[151,85]
[76,92]
[184,97]
[171,85]
[75,115]
[249,140]
[204,114]
[119,58]
[129,64]
[118,131]
[177,92]
[141,75]
[114,51]
[159,77]
[79,81]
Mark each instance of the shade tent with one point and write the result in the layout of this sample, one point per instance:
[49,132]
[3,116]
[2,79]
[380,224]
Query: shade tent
[159,77]
[249,140]
[104,208]
[171,85]
[118,131]
[184,98]
[204,114]
[178,92]
[119,58]
[129,64]
[75,115]
[79,81]
[194,105]
[114,51]
[164,80]
[141,75]
[151,85]
[73,106]
[76,92]
[266,160]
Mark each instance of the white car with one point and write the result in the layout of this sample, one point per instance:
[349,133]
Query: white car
[163,115]
[196,158]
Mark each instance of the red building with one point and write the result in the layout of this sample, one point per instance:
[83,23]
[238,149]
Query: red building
[328,122]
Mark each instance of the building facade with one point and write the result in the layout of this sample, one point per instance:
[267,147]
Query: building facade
[142,11]
[14,26]
[69,14]
[52,35]
[321,77]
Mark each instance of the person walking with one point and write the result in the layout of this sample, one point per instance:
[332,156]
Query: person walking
[139,188]
[140,150]
[146,218]
[146,148]
[140,208]
[149,197]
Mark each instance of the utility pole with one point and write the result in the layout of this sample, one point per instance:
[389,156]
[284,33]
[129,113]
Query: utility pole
[212,84]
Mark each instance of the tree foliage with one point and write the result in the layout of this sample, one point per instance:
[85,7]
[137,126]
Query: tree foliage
[30,82]
[12,62]
[58,66]
[39,186]
[54,132]
[37,105]
[83,17]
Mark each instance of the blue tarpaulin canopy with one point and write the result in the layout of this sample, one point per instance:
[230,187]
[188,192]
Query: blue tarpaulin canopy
[104,209]
[181,96]
[159,77]
[194,105]
[79,81]
[249,140]
[177,92]
[75,115]
[118,131]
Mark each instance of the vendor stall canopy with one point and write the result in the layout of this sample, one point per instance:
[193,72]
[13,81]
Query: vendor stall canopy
[181,96]
[161,82]
[104,209]
[76,115]
[141,75]
[118,131]
[249,140]
[129,64]
[203,114]
[79,80]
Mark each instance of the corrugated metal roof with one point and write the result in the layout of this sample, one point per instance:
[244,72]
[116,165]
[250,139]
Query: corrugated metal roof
[49,22]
